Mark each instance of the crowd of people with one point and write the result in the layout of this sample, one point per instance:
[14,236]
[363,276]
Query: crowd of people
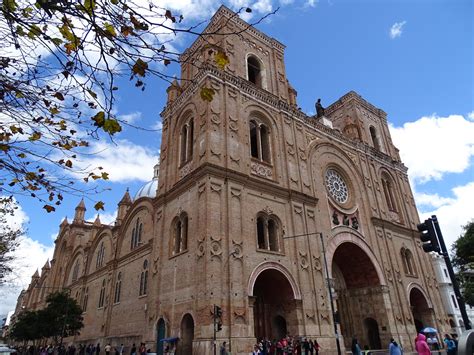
[83,349]
[429,345]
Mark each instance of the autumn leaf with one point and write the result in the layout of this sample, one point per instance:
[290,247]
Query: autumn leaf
[59,96]
[49,208]
[89,6]
[139,67]
[221,59]
[99,206]
[68,163]
[110,30]
[169,16]
[9,5]
[207,94]
[99,118]
[35,136]
[105,176]
[112,126]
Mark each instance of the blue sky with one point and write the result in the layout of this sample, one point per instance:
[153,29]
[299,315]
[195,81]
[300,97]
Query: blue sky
[412,59]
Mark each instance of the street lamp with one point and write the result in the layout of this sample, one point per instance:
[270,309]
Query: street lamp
[331,299]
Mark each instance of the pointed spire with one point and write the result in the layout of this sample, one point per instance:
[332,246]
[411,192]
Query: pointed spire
[156,171]
[46,266]
[97,221]
[80,212]
[126,199]
[64,222]
[35,275]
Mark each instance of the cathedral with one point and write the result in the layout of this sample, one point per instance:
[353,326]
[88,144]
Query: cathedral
[288,223]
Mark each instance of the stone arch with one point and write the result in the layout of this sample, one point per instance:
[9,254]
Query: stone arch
[262,82]
[104,234]
[421,308]
[141,207]
[415,285]
[188,111]
[271,265]
[346,237]
[187,329]
[78,254]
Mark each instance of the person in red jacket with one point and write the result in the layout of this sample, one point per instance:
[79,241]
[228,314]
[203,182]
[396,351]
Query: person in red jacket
[421,345]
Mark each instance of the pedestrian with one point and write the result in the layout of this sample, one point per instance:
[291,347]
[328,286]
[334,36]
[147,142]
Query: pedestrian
[421,345]
[223,350]
[355,348]
[142,349]
[97,349]
[316,347]
[455,339]
[133,350]
[107,349]
[121,349]
[394,348]
[450,345]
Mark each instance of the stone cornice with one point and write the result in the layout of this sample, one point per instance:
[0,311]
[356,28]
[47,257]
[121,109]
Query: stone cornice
[267,98]
[224,12]
[352,95]
[393,226]
[235,177]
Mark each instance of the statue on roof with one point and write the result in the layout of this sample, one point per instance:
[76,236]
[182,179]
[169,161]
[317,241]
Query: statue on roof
[319,109]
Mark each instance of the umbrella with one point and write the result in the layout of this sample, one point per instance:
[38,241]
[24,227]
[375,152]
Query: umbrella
[429,330]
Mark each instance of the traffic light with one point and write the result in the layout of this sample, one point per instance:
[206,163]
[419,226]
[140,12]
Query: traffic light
[428,236]
[219,326]
[218,313]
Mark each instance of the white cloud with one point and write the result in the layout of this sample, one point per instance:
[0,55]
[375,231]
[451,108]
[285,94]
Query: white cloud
[433,146]
[311,3]
[453,213]
[470,115]
[396,29]
[105,218]
[432,200]
[123,161]
[29,256]
[131,118]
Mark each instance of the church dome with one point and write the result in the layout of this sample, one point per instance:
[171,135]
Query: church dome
[149,189]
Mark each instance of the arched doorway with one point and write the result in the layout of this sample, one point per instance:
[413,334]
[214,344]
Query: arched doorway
[160,334]
[359,296]
[185,344]
[420,309]
[274,312]
[372,330]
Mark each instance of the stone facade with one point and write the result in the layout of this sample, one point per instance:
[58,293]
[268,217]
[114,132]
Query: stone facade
[250,189]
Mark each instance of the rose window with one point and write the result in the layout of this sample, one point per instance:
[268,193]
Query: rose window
[336,186]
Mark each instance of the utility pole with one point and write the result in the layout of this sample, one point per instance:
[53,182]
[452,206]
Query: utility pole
[457,292]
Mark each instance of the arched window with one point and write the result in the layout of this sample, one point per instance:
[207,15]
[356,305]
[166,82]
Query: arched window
[186,142]
[85,299]
[254,71]
[144,279]
[375,139]
[260,143]
[102,295]
[136,234]
[180,238]
[100,256]
[268,233]
[408,262]
[387,187]
[118,288]
[75,271]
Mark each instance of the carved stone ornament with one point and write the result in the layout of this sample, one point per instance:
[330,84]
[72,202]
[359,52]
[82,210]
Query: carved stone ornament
[185,170]
[237,251]
[216,249]
[268,210]
[235,160]
[235,192]
[311,316]
[325,316]
[201,249]
[303,260]
[239,313]
[261,170]
[317,263]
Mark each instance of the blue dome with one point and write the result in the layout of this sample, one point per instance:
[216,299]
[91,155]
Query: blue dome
[149,189]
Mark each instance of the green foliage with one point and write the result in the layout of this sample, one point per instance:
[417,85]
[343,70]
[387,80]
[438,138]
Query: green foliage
[62,317]
[8,237]
[463,259]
